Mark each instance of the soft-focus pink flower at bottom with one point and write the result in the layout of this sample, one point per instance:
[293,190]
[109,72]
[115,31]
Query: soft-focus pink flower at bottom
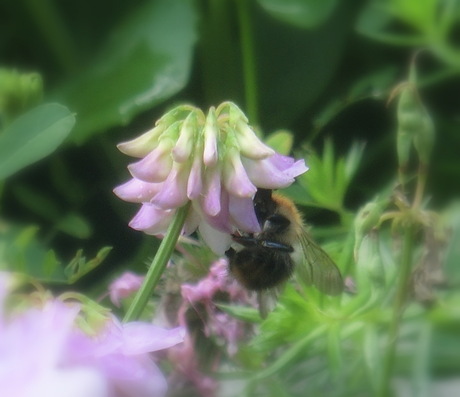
[43,353]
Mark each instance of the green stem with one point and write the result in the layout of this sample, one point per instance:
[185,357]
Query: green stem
[420,188]
[158,265]
[398,310]
[55,32]
[249,61]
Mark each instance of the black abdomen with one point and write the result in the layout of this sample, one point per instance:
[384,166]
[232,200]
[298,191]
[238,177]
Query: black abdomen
[258,268]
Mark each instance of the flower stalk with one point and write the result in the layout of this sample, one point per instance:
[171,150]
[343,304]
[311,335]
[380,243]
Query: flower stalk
[398,310]
[158,265]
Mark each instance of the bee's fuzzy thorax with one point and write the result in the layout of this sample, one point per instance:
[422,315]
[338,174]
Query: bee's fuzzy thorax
[288,209]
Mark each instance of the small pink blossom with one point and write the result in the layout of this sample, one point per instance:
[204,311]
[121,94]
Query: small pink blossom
[216,161]
[219,324]
[124,286]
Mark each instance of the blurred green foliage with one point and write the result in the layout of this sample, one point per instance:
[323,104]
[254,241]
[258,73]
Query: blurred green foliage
[76,78]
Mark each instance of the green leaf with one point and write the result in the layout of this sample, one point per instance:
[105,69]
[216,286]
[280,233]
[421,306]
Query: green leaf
[296,66]
[375,85]
[372,354]
[74,225]
[374,22]
[42,204]
[78,266]
[146,60]
[18,93]
[21,251]
[243,313]
[328,178]
[306,14]
[281,141]
[33,136]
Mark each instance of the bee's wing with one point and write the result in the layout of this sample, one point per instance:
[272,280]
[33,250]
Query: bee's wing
[318,268]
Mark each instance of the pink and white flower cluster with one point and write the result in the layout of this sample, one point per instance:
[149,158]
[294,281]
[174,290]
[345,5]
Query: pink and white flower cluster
[216,161]
[51,348]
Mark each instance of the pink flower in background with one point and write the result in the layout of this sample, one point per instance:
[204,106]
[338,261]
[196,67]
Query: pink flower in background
[219,324]
[124,286]
[216,161]
[53,351]
[221,327]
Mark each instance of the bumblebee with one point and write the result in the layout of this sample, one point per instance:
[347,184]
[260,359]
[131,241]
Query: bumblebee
[267,259]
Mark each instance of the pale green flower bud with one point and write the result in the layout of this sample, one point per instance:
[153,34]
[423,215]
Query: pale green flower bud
[144,144]
[184,146]
[250,145]
[210,154]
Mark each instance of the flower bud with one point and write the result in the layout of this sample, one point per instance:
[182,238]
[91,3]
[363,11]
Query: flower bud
[142,145]
[250,145]
[184,145]
[210,154]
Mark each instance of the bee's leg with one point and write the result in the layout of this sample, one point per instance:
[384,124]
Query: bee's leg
[245,240]
[276,246]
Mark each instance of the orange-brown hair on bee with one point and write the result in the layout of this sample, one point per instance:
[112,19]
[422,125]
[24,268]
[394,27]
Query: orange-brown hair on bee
[288,209]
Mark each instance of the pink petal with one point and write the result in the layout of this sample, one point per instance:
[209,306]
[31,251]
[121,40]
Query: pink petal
[195,180]
[140,337]
[243,214]
[137,191]
[192,221]
[173,193]
[235,178]
[152,220]
[289,165]
[124,286]
[220,221]
[154,167]
[212,191]
[218,241]
[267,174]
[146,379]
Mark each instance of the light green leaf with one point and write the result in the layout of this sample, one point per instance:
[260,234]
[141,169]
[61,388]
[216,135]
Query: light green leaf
[243,313]
[32,136]
[74,225]
[79,266]
[375,21]
[146,60]
[281,141]
[21,251]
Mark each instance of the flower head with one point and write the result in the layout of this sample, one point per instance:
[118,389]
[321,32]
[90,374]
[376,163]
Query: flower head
[214,160]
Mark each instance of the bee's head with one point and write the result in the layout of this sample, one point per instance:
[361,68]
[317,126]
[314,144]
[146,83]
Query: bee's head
[264,206]
[276,224]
